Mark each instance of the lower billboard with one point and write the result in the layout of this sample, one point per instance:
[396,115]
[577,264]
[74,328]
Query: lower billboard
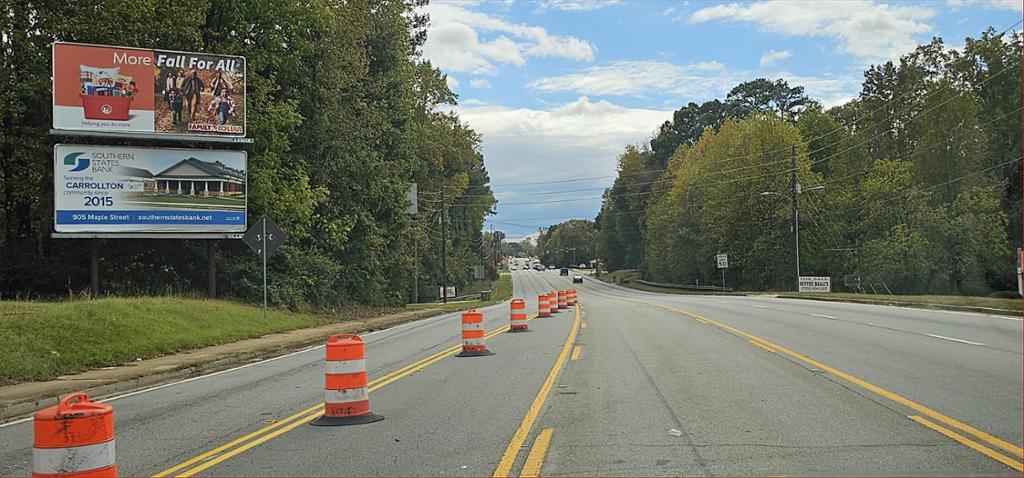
[120,189]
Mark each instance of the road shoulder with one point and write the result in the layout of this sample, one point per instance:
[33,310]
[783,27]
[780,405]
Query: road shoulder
[23,398]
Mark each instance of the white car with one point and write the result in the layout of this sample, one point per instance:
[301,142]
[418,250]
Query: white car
[577,279]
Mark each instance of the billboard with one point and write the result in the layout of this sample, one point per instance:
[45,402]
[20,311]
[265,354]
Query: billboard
[815,284]
[106,89]
[121,189]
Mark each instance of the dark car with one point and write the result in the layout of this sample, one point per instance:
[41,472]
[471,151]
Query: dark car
[564,271]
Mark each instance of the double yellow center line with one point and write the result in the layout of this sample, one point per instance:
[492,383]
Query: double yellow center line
[239,445]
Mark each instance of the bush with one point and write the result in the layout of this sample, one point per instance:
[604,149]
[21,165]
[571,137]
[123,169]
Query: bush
[1005,294]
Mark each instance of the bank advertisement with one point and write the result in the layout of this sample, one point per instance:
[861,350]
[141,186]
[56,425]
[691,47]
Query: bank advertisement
[115,189]
[128,90]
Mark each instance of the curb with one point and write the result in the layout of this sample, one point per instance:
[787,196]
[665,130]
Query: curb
[19,409]
[915,305]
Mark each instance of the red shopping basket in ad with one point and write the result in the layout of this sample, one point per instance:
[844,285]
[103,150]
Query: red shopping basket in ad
[106,107]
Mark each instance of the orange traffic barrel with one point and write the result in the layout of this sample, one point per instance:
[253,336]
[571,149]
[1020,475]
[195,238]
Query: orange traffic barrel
[553,302]
[518,316]
[74,438]
[346,398]
[542,306]
[561,300]
[570,297]
[473,335]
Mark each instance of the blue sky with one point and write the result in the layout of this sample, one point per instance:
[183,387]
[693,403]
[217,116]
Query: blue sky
[557,88]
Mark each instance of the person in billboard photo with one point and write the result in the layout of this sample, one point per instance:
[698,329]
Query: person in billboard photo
[189,99]
[220,84]
[192,90]
[223,106]
[174,102]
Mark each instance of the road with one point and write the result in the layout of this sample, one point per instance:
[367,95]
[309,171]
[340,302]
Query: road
[631,383]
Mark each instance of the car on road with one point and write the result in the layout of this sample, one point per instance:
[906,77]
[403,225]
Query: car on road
[564,271]
[577,279]
[538,267]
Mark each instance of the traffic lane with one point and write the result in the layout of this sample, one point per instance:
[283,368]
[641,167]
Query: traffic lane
[162,427]
[987,330]
[453,418]
[981,386]
[740,410]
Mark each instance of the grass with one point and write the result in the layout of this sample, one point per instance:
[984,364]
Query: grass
[44,340]
[501,290]
[924,300]
[960,300]
[632,275]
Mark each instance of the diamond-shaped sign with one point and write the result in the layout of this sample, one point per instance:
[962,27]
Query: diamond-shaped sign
[265,233]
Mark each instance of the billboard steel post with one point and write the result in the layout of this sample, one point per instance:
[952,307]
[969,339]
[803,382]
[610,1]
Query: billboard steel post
[263,252]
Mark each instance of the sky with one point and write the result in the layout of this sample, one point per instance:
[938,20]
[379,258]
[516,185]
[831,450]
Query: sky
[558,88]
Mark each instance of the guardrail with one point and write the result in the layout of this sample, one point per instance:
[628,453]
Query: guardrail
[685,287]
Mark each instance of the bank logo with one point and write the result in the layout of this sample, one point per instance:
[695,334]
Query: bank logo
[72,159]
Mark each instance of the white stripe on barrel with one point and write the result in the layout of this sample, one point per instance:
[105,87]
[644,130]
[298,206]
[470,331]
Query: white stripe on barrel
[73,459]
[346,396]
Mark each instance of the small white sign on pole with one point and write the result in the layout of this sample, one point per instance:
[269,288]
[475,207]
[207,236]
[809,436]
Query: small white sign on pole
[815,284]
[723,261]
[451,292]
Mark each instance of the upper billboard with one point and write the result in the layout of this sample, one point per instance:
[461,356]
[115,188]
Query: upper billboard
[122,189]
[106,89]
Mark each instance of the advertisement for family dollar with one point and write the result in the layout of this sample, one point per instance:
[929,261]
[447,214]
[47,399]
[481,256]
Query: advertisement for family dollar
[107,89]
[114,189]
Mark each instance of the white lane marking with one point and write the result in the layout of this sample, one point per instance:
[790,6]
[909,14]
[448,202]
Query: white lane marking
[212,374]
[955,340]
[759,307]
[720,301]
[824,316]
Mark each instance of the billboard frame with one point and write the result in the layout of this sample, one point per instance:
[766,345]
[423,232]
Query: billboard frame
[155,234]
[222,138]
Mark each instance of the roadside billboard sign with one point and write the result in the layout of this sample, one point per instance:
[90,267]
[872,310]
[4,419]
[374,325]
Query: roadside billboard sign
[104,89]
[815,284]
[121,189]
[446,292]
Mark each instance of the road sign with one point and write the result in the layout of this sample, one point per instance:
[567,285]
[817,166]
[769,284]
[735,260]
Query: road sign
[478,271]
[411,199]
[815,284]
[449,295]
[723,261]
[851,280]
[265,238]
[265,233]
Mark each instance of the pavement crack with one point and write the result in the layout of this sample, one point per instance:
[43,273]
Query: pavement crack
[699,459]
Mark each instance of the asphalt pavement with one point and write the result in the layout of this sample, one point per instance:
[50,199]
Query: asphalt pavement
[634,384]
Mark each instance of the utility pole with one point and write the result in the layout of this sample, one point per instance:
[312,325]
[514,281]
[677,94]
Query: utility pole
[444,250]
[794,188]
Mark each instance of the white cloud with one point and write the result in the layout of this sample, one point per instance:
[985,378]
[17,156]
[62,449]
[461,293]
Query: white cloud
[1015,5]
[867,30]
[576,5]
[480,84]
[678,84]
[524,144]
[770,57]
[635,78]
[452,82]
[455,42]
